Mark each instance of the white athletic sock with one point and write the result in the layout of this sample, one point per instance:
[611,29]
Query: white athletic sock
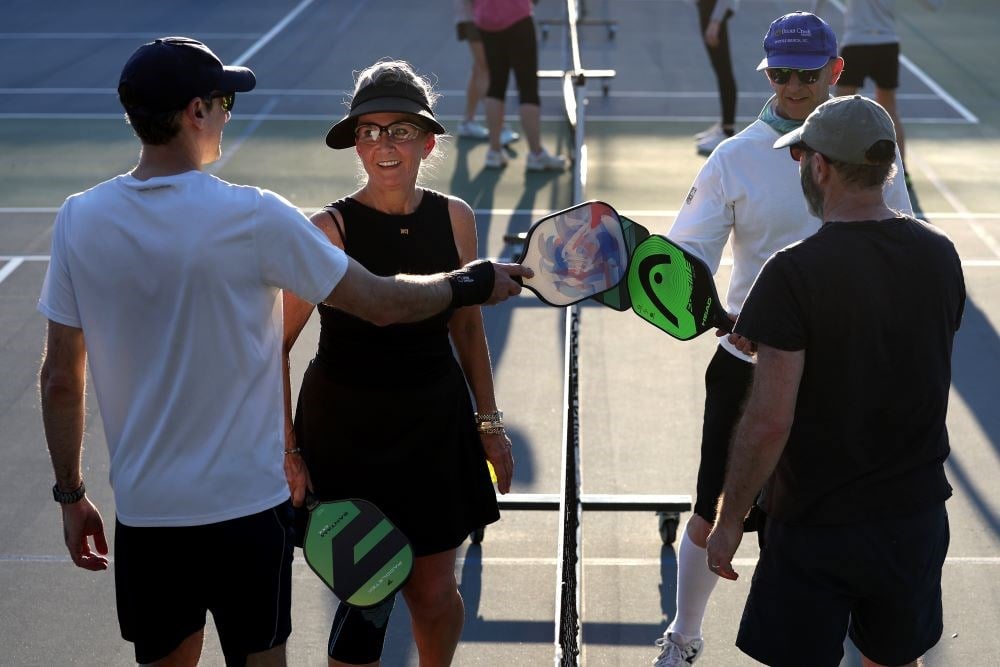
[695,583]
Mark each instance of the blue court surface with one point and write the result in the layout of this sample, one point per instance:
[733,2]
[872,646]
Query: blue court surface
[61,131]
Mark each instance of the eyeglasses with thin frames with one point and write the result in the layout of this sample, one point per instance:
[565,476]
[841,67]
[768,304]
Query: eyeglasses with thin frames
[398,133]
[782,75]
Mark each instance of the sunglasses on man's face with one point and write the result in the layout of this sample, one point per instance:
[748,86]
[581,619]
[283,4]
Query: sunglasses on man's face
[799,151]
[398,133]
[228,100]
[782,75]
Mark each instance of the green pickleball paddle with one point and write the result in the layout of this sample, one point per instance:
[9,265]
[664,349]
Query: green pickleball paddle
[673,290]
[356,551]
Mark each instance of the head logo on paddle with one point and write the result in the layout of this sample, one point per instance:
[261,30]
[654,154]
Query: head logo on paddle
[575,254]
[356,551]
[673,290]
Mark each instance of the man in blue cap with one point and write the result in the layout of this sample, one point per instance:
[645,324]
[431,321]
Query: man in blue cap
[169,280]
[747,195]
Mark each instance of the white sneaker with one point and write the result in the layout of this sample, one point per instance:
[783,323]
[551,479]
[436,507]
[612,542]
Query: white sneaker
[470,129]
[707,131]
[545,161]
[675,652]
[495,159]
[710,142]
[508,136]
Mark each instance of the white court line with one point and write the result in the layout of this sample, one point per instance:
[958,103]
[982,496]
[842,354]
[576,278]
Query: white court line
[120,35]
[522,561]
[926,80]
[957,204]
[270,34]
[9,268]
[538,213]
[232,149]
[321,92]
[548,117]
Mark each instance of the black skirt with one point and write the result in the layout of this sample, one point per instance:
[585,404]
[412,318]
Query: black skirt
[412,451]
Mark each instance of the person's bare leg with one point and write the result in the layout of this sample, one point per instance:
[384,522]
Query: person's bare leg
[272,657]
[337,663]
[186,654]
[494,121]
[436,608]
[887,98]
[919,662]
[479,80]
[531,123]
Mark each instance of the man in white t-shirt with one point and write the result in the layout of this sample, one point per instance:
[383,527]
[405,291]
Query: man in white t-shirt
[169,280]
[748,195]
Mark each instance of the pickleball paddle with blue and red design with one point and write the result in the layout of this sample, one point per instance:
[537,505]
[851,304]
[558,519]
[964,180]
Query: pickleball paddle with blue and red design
[575,253]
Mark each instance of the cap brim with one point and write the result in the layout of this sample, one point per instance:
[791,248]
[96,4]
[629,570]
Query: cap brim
[795,61]
[237,79]
[341,135]
[793,137]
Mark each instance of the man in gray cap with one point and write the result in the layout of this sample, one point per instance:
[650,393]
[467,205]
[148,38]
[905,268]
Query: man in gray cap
[169,280]
[845,425]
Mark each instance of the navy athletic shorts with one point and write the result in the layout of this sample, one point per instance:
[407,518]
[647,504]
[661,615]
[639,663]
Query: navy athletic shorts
[877,581]
[167,578]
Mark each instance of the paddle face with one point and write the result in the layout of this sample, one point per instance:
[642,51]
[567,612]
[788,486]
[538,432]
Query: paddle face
[673,290]
[617,297]
[575,254]
[357,551]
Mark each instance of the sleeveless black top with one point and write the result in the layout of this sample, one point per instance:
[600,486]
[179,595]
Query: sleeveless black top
[419,243]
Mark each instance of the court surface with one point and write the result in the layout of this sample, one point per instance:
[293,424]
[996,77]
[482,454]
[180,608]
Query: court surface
[61,131]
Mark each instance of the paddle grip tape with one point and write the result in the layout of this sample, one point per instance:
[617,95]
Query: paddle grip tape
[472,284]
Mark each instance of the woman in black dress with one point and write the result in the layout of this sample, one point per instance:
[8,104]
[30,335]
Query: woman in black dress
[384,413]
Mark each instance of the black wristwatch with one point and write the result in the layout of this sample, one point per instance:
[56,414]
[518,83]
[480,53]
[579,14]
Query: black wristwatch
[68,498]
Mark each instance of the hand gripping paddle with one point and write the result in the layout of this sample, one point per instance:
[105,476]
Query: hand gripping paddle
[356,550]
[575,254]
[673,290]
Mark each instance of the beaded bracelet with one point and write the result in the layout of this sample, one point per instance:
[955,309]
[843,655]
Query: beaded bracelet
[296,450]
[489,416]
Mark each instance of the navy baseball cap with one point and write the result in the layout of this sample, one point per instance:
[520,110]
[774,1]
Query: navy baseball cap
[167,73]
[799,40]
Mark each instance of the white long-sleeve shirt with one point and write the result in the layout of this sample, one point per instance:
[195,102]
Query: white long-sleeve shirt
[750,192]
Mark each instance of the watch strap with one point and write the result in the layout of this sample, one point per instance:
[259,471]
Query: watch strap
[68,497]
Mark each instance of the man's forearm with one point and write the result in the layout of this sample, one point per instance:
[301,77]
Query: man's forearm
[63,418]
[753,456]
[762,431]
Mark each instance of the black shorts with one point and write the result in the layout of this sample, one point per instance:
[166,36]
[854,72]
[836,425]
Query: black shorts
[466,31]
[166,578]
[879,62]
[879,580]
[727,385]
[514,48]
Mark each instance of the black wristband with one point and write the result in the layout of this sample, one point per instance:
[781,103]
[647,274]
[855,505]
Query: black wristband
[472,284]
